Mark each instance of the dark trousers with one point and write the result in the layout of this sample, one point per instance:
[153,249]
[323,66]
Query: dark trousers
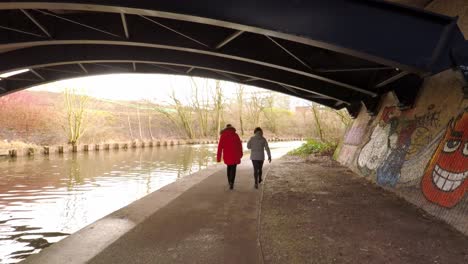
[231,173]
[258,165]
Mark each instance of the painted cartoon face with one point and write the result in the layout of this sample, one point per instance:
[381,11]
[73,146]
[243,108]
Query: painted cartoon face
[445,179]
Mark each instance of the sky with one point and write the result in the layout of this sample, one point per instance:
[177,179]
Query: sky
[153,87]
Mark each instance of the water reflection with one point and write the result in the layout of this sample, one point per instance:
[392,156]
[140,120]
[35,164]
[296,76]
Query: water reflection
[42,200]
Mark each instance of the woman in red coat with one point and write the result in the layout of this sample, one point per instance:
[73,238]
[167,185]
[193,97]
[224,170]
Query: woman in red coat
[230,148]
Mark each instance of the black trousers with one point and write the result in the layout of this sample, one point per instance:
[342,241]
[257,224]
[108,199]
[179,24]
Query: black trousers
[231,173]
[258,166]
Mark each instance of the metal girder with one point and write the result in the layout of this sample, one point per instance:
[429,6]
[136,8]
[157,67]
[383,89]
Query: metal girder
[175,31]
[78,23]
[392,79]
[229,39]
[39,57]
[12,85]
[189,70]
[83,68]
[34,20]
[198,51]
[364,29]
[372,105]
[21,31]
[354,109]
[406,90]
[66,74]
[124,25]
[38,75]
[289,52]
[382,68]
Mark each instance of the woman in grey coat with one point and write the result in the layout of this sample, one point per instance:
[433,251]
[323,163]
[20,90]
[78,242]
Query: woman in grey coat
[258,144]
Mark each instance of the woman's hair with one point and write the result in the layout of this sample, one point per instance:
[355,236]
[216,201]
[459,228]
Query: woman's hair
[257,129]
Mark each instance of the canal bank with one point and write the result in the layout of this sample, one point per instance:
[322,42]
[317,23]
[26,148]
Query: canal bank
[311,212]
[29,151]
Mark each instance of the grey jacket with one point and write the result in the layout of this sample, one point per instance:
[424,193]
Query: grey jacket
[258,144]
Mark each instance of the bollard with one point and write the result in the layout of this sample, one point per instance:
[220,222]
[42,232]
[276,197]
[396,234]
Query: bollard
[30,151]
[150,144]
[172,143]
[116,146]
[96,147]
[13,153]
[106,146]
[143,144]
[85,148]
[165,143]
[45,150]
[74,148]
[158,144]
[60,149]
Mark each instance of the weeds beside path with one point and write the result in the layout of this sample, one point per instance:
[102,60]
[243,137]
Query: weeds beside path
[317,211]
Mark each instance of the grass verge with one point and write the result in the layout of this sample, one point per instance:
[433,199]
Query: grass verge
[315,147]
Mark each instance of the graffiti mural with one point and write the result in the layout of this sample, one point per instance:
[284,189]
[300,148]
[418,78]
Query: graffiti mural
[388,173]
[398,142]
[420,138]
[373,153]
[413,168]
[445,179]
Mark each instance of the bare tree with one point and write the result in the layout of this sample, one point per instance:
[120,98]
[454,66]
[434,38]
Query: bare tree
[240,101]
[149,126]
[139,121]
[254,108]
[129,124]
[76,109]
[344,116]
[185,116]
[269,112]
[200,103]
[317,120]
[218,106]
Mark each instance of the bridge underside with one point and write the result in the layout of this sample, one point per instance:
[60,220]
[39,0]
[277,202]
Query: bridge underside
[338,53]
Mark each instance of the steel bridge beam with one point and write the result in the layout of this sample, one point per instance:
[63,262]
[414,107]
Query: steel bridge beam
[38,57]
[368,29]
[11,85]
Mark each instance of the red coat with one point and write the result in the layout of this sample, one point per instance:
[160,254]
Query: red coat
[230,146]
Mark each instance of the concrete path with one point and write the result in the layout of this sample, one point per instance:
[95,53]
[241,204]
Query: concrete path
[207,224]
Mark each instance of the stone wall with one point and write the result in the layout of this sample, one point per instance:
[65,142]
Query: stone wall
[420,153]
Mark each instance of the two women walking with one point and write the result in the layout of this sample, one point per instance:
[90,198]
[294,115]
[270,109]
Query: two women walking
[230,149]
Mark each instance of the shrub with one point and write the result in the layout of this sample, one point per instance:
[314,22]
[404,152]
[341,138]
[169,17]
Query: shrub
[316,147]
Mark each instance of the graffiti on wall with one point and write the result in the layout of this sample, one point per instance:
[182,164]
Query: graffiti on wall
[373,153]
[399,137]
[407,149]
[445,178]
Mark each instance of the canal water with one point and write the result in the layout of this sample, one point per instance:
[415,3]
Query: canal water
[44,199]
